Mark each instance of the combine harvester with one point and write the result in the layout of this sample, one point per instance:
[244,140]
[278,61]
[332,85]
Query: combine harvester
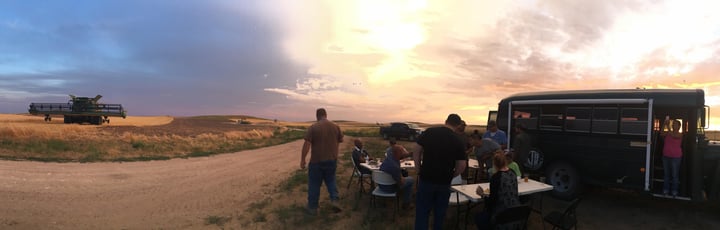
[79,110]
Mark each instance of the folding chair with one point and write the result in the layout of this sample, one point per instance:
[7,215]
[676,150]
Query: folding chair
[512,218]
[361,177]
[565,220]
[383,178]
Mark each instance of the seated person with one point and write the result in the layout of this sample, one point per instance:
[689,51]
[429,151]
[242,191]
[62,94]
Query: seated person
[391,166]
[512,165]
[503,192]
[392,143]
[359,155]
[484,148]
[403,153]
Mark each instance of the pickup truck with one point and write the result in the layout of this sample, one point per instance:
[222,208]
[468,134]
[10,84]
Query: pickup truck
[401,130]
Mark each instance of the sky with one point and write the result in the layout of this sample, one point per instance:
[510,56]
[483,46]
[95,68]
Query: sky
[364,60]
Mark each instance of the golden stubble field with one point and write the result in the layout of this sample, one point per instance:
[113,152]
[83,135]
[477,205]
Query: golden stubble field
[135,138]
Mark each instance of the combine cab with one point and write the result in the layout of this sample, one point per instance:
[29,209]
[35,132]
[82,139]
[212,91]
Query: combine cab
[79,110]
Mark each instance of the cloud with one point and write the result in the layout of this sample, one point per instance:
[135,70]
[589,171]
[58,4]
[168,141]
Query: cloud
[363,60]
[471,54]
[153,57]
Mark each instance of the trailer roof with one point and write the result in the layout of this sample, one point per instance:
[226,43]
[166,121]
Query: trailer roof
[663,97]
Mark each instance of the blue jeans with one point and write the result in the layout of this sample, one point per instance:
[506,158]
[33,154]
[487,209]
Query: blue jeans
[317,173]
[431,197]
[672,170]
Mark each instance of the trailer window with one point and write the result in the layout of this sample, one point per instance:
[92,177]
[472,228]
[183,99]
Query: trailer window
[605,120]
[551,117]
[634,121]
[526,115]
[578,119]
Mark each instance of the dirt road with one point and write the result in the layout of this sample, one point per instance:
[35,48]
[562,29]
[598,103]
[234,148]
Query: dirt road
[170,194]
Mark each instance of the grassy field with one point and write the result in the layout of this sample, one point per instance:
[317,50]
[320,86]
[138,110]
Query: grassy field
[24,137]
[137,138]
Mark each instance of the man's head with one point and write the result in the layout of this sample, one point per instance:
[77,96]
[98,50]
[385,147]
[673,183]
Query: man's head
[392,141]
[453,120]
[320,114]
[461,128]
[358,143]
[492,126]
[476,139]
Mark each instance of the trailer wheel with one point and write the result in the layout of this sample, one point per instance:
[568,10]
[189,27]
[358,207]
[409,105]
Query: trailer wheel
[565,180]
[412,137]
[385,136]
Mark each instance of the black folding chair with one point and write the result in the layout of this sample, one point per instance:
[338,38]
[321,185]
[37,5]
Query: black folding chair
[512,218]
[362,178]
[565,220]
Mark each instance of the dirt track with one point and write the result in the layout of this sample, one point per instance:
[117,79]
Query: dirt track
[171,194]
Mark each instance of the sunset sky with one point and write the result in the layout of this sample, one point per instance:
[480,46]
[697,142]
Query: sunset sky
[365,60]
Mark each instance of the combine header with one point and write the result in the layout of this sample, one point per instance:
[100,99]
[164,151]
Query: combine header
[79,110]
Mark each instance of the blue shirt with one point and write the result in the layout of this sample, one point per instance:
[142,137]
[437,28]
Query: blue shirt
[392,167]
[499,137]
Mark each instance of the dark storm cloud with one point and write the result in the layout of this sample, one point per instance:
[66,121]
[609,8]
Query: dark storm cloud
[155,57]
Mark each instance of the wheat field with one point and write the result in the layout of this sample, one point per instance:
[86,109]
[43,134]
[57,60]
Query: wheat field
[135,138]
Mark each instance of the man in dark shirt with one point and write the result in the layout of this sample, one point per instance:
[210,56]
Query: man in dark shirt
[324,138]
[522,145]
[391,166]
[442,155]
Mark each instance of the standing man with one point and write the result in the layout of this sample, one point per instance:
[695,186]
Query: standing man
[324,138]
[521,145]
[440,156]
[497,135]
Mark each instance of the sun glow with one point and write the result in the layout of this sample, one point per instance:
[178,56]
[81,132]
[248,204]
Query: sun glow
[392,29]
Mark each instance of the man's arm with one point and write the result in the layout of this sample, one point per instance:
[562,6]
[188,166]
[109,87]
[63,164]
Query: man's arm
[358,156]
[417,156]
[340,135]
[459,167]
[305,150]
[665,129]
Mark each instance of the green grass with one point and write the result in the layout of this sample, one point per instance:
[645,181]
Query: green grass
[56,150]
[217,220]
[199,154]
[93,155]
[285,213]
[141,158]
[363,132]
[259,217]
[299,177]
[55,145]
[257,206]
[138,144]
